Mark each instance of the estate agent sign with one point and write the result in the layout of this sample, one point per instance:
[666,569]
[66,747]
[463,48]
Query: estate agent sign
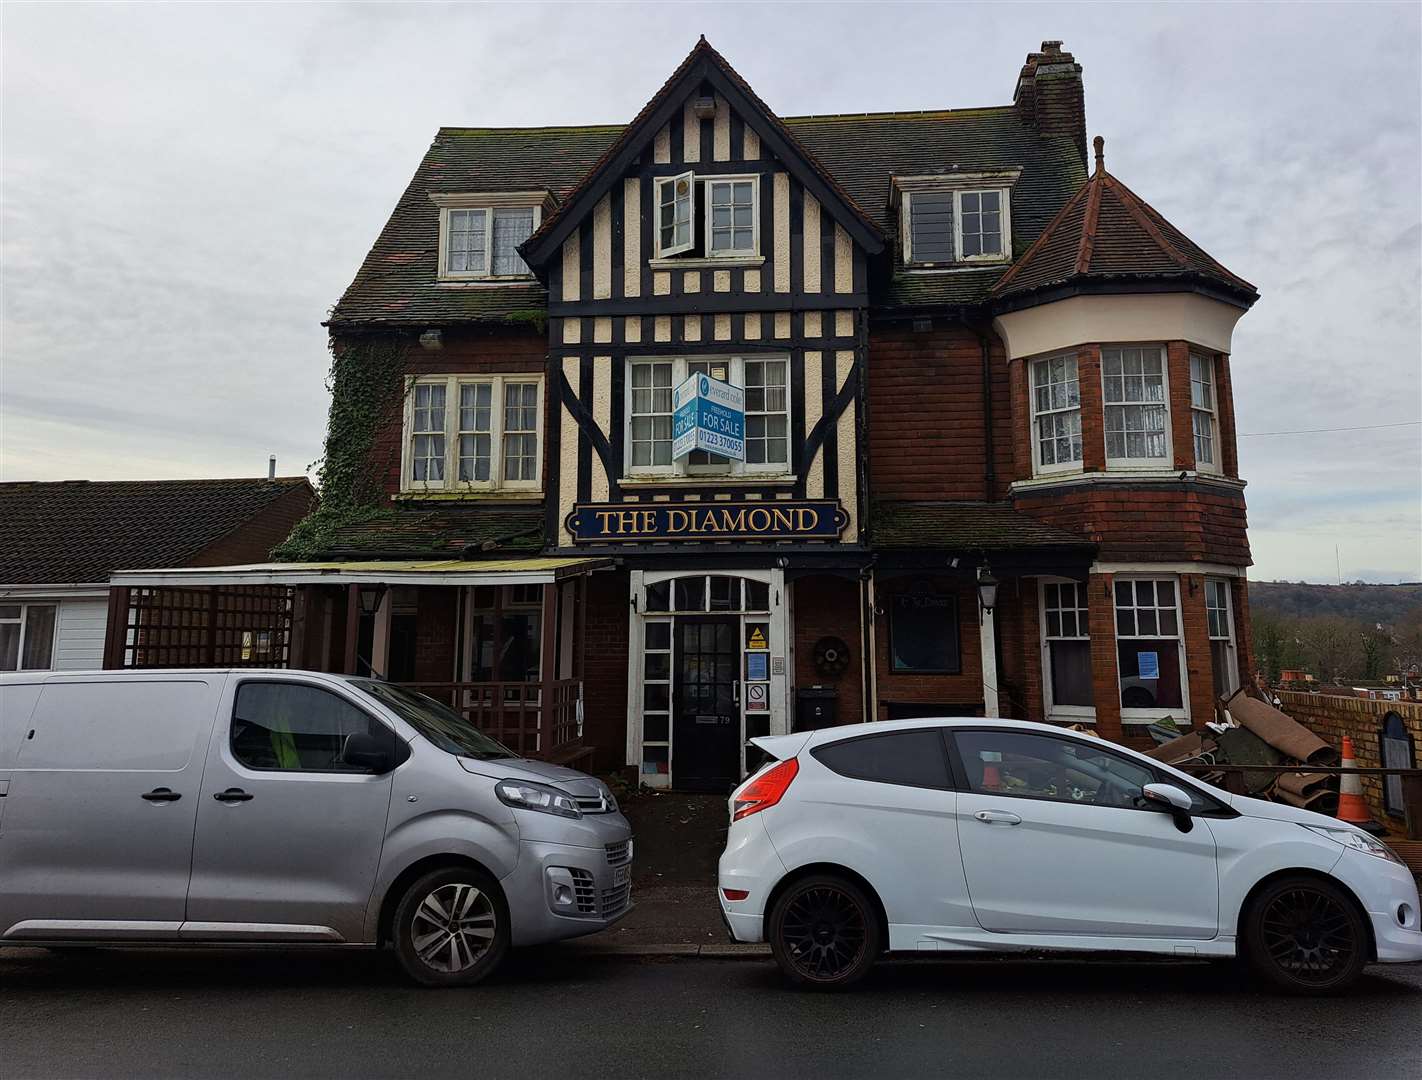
[708,414]
[744,519]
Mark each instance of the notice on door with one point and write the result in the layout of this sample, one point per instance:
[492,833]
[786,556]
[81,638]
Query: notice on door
[757,667]
[755,637]
[757,697]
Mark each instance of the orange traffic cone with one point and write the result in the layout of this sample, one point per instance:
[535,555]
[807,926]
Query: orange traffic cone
[1351,807]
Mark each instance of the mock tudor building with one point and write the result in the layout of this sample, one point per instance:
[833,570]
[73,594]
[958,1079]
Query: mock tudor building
[986,450]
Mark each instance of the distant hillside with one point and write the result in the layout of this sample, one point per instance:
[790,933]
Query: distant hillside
[1386,604]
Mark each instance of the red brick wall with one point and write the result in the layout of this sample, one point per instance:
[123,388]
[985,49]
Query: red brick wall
[604,653]
[1093,419]
[930,383]
[435,633]
[1224,403]
[466,352]
[911,688]
[1199,663]
[1105,685]
[829,607]
[1181,522]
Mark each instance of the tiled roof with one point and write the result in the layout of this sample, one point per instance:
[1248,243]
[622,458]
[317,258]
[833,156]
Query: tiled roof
[397,283]
[423,528]
[965,526]
[80,531]
[1106,233]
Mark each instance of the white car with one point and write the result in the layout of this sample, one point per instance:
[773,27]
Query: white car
[973,835]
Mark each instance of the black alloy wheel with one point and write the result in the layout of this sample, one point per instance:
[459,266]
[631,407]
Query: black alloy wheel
[824,933]
[1305,936]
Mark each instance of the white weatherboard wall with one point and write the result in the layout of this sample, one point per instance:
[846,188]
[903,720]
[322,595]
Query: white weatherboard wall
[79,641]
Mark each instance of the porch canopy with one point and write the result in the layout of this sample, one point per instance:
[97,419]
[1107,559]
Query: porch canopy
[531,571]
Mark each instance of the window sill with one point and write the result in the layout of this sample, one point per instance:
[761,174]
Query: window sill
[1117,474]
[711,480]
[1141,717]
[721,262]
[952,268]
[518,495]
[475,282]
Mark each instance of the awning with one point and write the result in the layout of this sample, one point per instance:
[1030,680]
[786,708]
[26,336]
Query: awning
[536,571]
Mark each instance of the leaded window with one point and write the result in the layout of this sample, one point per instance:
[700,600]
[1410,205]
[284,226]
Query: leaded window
[1136,409]
[1056,407]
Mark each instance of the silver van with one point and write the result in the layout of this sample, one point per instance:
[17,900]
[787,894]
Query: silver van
[269,807]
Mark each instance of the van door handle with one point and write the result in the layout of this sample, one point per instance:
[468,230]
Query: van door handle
[998,817]
[161,794]
[232,794]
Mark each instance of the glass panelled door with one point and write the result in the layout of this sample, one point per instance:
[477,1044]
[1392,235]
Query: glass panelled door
[706,710]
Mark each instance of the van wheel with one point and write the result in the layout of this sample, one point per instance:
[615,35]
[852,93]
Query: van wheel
[824,933]
[1303,935]
[452,927]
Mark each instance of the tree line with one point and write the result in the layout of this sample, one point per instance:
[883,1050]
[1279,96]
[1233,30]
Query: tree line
[1336,647]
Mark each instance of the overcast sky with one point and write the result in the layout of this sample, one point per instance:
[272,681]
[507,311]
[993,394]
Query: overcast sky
[187,189]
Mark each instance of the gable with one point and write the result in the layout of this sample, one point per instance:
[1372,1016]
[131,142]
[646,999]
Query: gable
[666,120]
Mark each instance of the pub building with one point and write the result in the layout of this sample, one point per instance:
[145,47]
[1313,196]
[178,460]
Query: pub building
[719,423]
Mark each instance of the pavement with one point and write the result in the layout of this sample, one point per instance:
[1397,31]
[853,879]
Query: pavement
[557,1011]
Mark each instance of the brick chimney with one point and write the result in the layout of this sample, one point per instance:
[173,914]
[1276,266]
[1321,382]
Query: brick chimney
[1049,95]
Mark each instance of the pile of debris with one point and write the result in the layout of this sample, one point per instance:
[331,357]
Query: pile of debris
[1254,732]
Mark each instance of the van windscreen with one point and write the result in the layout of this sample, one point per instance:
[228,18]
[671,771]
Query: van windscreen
[437,722]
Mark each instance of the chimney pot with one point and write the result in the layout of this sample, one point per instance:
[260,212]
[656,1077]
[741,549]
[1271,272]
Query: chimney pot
[271,467]
[1100,144]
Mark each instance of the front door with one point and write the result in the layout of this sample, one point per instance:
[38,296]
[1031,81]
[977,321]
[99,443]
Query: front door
[706,718]
[288,835]
[1056,839]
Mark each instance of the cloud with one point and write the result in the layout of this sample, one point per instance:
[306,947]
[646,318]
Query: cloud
[188,188]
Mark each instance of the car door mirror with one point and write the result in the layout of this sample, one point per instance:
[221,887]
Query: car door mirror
[363,750]
[1172,800]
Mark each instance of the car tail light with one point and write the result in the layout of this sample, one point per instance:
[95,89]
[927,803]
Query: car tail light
[735,894]
[765,790]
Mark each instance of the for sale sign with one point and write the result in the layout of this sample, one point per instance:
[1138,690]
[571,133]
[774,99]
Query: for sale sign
[708,414]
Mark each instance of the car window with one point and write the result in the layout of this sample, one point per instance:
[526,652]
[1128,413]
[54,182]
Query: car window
[1043,767]
[912,758]
[297,728]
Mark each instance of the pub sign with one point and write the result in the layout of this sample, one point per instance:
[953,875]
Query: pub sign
[742,519]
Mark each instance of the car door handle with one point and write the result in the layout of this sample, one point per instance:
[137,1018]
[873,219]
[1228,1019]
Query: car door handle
[233,794]
[998,817]
[161,794]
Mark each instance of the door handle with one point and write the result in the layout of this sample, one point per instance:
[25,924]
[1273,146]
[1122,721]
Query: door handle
[998,817]
[161,794]
[232,794]
[736,691]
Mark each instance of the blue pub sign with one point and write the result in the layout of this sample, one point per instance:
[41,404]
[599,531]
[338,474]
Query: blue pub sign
[708,414]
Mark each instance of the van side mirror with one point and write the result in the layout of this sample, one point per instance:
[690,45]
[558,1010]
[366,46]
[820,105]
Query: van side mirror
[1172,800]
[366,751]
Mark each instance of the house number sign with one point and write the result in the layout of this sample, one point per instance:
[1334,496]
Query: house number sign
[621,523]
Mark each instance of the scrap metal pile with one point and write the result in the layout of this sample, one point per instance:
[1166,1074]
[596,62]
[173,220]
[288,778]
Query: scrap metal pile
[1254,732]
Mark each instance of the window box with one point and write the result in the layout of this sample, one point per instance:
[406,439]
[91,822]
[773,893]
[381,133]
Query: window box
[465,433]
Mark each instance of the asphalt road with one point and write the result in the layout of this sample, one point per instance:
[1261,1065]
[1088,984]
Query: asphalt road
[553,1013]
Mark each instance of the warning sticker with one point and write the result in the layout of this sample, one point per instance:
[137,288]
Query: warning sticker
[755,637]
[757,697]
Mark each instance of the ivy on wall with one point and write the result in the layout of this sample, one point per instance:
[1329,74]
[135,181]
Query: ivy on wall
[367,388]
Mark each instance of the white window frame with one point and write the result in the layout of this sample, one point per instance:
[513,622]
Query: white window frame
[1053,710]
[679,468]
[658,184]
[1004,215]
[1153,463]
[1147,716]
[1212,413]
[1225,589]
[1000,180]
[734,253]
[23,621]
[451,481]
[488,204]
[1038,467]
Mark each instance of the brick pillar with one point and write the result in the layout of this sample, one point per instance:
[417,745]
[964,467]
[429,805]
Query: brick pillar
[1199,665]
[1021,419]
[1093,420]
[1178,385]
[1029,642]
[1243,629]
[1224,411]
[1105,685]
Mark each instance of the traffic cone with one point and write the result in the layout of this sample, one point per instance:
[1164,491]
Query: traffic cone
[992,772]
[1351,807]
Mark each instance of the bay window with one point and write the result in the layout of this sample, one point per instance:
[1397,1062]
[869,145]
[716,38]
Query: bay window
[27,636]
[1149,648]
[1066,649]
[1056,414]
[1137,410]
[650,382]
[1220,618]
[494,424]
[1202,413]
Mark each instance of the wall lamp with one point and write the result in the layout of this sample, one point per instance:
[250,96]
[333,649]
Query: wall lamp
[987,587]
[370,597]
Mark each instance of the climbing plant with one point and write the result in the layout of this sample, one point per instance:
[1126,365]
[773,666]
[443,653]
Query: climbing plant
[367,387]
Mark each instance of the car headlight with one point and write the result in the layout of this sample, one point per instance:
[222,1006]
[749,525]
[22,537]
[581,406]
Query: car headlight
[525,795]
[1358,841]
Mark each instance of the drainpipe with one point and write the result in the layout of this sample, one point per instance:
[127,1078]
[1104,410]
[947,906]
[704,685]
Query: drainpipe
[990,469]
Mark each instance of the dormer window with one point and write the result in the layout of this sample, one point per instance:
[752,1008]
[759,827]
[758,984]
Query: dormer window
[956,220]
[723,223]
[479,235]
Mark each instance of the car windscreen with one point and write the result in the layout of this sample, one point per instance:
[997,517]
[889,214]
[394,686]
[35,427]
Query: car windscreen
[438,723]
